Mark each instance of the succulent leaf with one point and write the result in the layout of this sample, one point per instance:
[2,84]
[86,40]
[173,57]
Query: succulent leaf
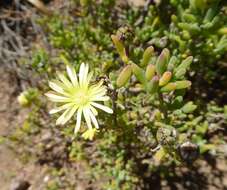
[147,55]
[124,76]
[150,72]
[165,78]
[162,61]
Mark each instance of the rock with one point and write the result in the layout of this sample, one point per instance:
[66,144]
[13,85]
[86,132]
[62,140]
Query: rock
[19,185]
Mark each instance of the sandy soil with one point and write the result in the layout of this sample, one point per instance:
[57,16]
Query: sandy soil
[11,116]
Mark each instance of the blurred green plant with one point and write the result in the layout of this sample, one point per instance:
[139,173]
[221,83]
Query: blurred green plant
[196,28]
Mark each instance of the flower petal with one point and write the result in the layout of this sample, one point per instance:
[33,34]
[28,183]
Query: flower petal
[85,75]
[81,73]
[63,107]
[56,98]
[100,92]
[78,120]
[64,80]
[97,86]
[94,111]
[69,114]
[102,107]
[87,118]
[54,86]
[102,98]
[72,75]
[61,119]
[59,83]
[93,119]
[90,75]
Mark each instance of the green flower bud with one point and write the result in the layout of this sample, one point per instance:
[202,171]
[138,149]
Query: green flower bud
[169,87]
[185,63]
[124,76]
[120,48]
[165,78]
[183,84]
[152,86]
[180,73]
[162,61]
[189,107]
[138,72]
[147,55]
[150,72]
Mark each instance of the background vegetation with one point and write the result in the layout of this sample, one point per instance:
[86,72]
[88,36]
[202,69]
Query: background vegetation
[158,136]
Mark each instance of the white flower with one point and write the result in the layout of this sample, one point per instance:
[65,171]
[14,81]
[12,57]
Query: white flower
[78,97]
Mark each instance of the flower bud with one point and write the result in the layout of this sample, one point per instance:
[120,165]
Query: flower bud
[153,85]
[124,76]
[150,72]
[183,84]
[120,48]
[147,55]
[165,78]
[169,87]
[162,61]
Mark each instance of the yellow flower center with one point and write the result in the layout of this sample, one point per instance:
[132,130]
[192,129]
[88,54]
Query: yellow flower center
[81,97]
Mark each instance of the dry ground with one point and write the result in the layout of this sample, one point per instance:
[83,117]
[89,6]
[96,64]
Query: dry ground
[12,169]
